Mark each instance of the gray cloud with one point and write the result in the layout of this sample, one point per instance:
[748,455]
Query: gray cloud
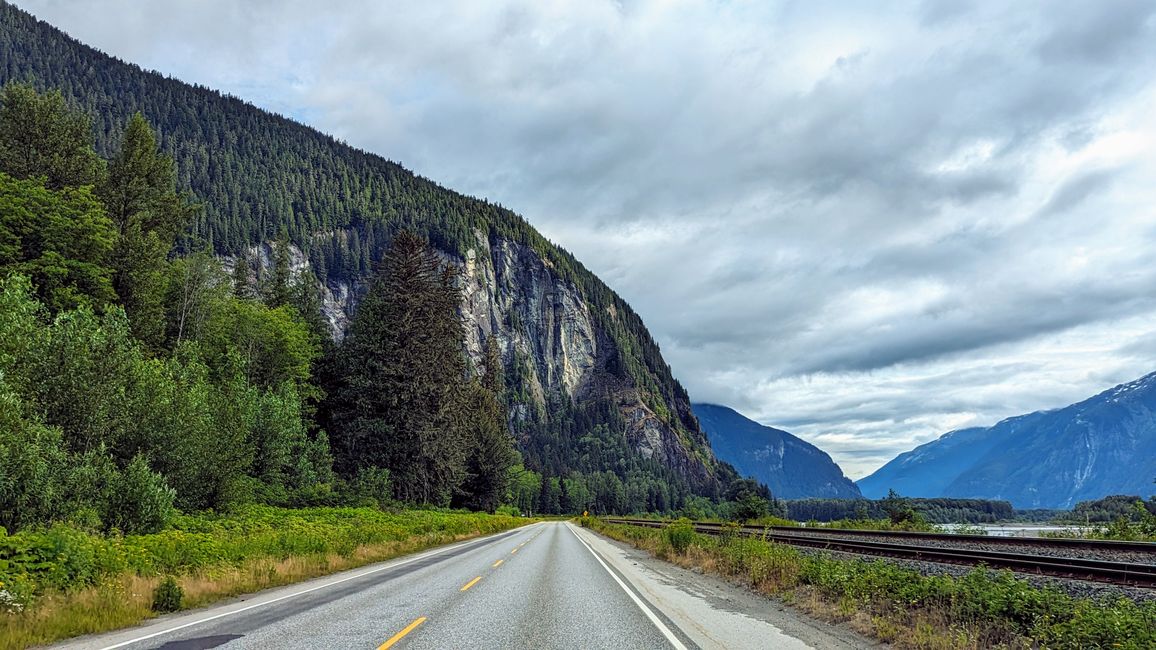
[867,225]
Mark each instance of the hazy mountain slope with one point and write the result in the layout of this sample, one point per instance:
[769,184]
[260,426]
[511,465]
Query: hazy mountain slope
[1051,459]
[792,468]
[578,356]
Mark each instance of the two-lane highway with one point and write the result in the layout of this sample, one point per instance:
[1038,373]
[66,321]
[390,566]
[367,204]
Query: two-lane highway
[547,585]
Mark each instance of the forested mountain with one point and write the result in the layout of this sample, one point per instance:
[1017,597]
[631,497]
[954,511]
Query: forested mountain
[1101,446]
[791,467]
[589,397]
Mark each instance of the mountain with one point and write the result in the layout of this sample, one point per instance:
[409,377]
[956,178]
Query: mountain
[1049,459]
[590,389]
[792,468]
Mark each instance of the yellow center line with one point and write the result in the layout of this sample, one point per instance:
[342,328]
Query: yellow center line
[498,563]
[513,551]
[468,585]
[397,637]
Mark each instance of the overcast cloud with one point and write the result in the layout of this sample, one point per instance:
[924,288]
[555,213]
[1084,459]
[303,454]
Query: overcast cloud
[867,223]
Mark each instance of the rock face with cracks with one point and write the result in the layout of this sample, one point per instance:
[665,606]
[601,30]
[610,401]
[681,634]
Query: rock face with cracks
[545,324]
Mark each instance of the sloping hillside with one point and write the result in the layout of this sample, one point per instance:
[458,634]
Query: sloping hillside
[791,467]
[1049,459]
[581,364]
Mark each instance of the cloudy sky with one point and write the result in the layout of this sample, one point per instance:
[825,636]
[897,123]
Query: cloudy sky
[867,223]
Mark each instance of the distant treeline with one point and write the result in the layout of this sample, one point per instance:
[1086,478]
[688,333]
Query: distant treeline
[936,511]
[1108,509]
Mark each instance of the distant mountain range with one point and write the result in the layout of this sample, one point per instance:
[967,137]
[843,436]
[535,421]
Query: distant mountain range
[1049,459]
[792,468]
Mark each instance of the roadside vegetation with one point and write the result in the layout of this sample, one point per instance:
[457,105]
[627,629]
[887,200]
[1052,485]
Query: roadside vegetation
[983,609]
[63,581]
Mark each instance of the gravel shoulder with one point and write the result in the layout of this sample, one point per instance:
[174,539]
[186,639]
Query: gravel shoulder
[716,614]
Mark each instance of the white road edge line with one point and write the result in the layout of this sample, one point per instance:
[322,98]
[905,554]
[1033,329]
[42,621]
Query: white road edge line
[666,632]
[362,574]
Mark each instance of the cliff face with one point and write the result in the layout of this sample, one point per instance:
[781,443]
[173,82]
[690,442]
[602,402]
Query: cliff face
[543,326]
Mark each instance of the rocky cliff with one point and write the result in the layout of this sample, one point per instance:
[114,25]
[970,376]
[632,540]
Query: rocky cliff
[544,328]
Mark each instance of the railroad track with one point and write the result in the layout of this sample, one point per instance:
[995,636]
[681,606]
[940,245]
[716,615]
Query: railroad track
[1135,574]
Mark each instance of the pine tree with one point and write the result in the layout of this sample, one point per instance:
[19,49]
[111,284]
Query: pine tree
[491,453]
[399,403]
[141,199]
[279,289]
[243,277]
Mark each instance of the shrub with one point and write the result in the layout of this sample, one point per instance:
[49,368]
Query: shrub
[509,511]
[680,534]
[373,484]
[142,502]
[167,596]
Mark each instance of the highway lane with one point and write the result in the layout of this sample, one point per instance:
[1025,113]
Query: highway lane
[535,587]
[547,585]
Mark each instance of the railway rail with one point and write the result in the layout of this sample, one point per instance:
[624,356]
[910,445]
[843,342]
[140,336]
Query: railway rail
[1136,574]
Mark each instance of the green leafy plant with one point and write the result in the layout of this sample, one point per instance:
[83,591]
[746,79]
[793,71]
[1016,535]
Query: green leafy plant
[167,596]
[680,534]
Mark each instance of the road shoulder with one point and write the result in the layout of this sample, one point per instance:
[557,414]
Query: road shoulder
[714,613]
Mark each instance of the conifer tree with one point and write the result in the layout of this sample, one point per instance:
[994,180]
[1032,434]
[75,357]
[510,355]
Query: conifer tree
[243,277]
[491,453]
[399,403]
[140,196]
[279,289]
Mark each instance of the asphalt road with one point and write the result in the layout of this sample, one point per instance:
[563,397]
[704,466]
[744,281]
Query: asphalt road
[547,585]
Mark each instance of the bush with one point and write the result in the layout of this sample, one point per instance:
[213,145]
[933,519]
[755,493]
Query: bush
[167,596]
[509,511]
[141,502]
[373,484]
[680,534]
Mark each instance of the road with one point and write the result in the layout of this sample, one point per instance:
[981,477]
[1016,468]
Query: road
[547,585]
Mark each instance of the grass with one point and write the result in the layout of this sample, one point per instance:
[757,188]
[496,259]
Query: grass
[983,609]
[64,582]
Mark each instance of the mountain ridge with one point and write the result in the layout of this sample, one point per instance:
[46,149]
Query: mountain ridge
[1096,447]
[790,466]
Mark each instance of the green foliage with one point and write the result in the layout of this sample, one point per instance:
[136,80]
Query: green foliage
[373,484]
[139,194]
[64,557]
[139,500]
[748,500]
[61,239]
[680,534]
[41,137]
[167,596]
[938,510]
